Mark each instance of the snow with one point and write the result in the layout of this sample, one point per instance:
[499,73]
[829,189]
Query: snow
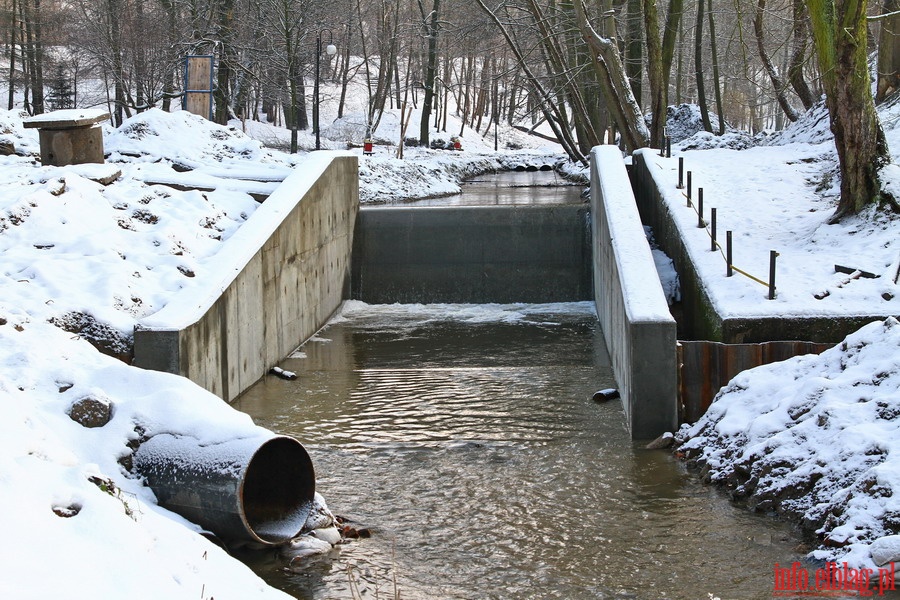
[644,294]
[815,438]
[96,249]
[780,197]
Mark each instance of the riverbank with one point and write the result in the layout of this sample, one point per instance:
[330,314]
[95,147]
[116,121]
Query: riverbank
[812,439]
[91,249]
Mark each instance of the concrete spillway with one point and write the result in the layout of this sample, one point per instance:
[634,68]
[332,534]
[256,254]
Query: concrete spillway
[472,254]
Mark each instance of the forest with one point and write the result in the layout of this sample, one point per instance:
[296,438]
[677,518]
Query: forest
[592,71]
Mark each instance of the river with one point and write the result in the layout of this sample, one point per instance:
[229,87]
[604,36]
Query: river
[467,439]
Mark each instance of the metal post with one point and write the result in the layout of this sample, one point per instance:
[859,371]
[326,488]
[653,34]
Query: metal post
[730,271]
[689,188]
[700,222]
[668,146]
[316,89]
[772,256]
[712,217]
[680,172]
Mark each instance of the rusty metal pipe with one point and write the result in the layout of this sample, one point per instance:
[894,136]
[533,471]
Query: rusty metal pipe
[257,489]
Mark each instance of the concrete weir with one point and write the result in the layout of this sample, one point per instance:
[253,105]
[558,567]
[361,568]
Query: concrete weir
[640,331]
[473,254]
[284,273]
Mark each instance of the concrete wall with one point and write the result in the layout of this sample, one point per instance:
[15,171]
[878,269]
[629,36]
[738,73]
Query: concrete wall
[639,330]
[285,272]
[475,254]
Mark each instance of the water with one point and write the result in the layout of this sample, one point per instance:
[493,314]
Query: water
[511,187]
[466,437]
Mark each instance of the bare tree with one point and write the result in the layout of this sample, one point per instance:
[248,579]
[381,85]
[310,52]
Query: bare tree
[839,30]
[660,54]
[889,51]
[611,74]
[800,40]
[779,83]
[431,24]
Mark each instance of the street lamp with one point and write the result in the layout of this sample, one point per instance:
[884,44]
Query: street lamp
[331,50]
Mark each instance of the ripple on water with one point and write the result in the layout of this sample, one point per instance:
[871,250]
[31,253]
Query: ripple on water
[487,471]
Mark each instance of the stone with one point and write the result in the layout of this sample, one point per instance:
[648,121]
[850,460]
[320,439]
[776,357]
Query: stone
[7,148]
[91,412]
[664,441]
[885,550]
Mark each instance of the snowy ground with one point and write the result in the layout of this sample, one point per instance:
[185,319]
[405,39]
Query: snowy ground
[85,259]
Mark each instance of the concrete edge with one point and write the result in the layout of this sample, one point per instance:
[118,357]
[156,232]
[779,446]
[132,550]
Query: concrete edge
[640,331]
[236,253]
[282,280]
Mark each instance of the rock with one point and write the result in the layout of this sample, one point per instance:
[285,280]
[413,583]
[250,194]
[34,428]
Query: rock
[305,546]
[66,511]
[351,530]
[664,441]
[885,550]
[90,411]
[7,148]
[327,534]
[319,515]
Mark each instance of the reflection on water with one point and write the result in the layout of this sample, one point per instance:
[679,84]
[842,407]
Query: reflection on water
[467,438]
[511,187]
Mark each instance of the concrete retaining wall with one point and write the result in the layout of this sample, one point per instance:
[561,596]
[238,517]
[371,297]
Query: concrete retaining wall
[285,272]
[476,254]
[639,330]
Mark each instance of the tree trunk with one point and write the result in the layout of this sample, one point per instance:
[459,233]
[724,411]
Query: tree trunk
[798,55]
[698,68]
[13,39]
[34,52]
[660,55]
[717,87]
[431,28]
[344,73]
[224,29]
[839,31]
[611,74]
[889,51]
[634,49]
[779,84]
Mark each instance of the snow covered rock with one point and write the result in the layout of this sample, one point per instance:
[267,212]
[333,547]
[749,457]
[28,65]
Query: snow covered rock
[885,550]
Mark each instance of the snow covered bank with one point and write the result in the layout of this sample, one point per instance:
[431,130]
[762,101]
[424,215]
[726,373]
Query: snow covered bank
[76,523]
[92,249]
[815,439]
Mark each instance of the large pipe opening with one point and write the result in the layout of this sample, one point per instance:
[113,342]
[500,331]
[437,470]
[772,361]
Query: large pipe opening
[279,484]
[257,489]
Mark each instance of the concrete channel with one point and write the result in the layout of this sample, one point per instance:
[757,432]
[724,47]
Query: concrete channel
[309,247]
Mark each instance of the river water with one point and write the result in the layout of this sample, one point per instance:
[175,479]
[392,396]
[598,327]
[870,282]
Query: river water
[467,439]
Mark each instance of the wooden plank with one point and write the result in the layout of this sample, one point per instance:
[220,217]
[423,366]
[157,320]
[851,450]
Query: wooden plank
[198,85]
[66,119]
